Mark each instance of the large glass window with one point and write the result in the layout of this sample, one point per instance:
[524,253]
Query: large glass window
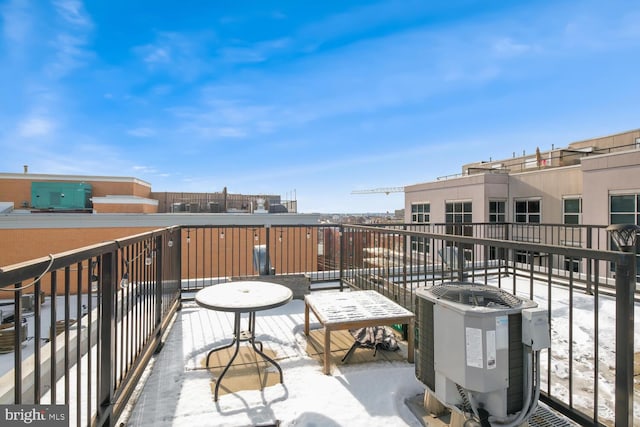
[497,211]
[457,212]
[572,214]
[625,209]
[420,214]
[497,214]
[572,210]
[527,211]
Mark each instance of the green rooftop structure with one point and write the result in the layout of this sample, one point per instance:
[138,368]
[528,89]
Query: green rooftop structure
[58,196]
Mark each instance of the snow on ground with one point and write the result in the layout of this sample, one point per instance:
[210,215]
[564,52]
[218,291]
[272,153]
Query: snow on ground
[178,392]
[581,362]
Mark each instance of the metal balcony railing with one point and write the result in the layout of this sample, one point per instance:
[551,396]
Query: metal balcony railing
[102,315]
[98,313]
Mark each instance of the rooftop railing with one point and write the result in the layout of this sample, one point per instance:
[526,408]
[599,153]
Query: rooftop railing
[589,293]
[101,316]
[106,307]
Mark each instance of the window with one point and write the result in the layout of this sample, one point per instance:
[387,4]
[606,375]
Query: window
[572,210]
[572,214]
[625,209]
[497,211]
[527,211]
[420,213]
[457,212]
[497,214]
[572,264]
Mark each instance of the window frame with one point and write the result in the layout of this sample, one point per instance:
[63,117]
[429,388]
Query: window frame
[577,215]
[495,216]
[634,214]
[416,212]
[420,244]
[528,213]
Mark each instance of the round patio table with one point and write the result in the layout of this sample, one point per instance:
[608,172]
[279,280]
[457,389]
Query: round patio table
[243,297]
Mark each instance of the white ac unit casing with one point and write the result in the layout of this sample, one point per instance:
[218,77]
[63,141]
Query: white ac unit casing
[470,345]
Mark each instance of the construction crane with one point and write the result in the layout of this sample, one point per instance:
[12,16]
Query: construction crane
[385,190]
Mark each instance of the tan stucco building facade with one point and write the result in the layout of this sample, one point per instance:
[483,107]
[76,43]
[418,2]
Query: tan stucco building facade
[590,171]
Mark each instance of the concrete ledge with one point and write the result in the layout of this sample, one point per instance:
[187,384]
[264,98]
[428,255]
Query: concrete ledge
[28,365]
[300,284]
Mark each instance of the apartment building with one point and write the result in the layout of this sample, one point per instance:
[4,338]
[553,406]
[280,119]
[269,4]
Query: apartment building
[591,182]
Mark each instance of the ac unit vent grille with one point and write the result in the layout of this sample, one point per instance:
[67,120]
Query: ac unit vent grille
[477,295]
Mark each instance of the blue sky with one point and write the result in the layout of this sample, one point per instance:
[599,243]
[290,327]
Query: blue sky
[315,99]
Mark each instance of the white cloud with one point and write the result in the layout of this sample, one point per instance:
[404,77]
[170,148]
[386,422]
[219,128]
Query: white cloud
[16,21]
[70,40]
[35,127]
[254,52]
[70,54]
[508,47]
[144,169]
[142,132]
[161,90]
[157,55]
[242,55]
[204,131]
[183,56]
[229,132]
[73,12]
[219,118]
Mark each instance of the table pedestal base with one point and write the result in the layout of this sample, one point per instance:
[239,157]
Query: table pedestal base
[238,337]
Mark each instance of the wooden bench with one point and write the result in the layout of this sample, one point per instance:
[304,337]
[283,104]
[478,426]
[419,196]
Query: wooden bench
[356,309]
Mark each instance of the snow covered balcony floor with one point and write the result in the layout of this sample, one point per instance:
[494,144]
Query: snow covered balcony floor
[176,389]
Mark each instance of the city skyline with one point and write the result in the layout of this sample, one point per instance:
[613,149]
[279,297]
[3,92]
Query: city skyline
[311,99]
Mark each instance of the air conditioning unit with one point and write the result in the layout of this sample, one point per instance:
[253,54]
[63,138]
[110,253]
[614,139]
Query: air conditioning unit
[478,350]
[178,207]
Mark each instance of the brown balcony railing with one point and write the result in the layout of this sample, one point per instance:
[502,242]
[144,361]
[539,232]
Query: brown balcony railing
[95,315]
[103,312]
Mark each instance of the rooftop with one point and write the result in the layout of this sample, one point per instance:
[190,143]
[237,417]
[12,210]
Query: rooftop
[177,388]
[141,320]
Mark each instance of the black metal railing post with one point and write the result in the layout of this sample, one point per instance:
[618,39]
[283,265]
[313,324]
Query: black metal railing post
[268,247]
[17,343]
[624,236]
[176,262]
[405,250]
[625,287]
[589,289]
[159,261]
[342,250]
[106,357]
[460,262]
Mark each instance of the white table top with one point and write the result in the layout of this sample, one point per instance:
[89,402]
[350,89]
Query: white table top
[244,296]
[339,307]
